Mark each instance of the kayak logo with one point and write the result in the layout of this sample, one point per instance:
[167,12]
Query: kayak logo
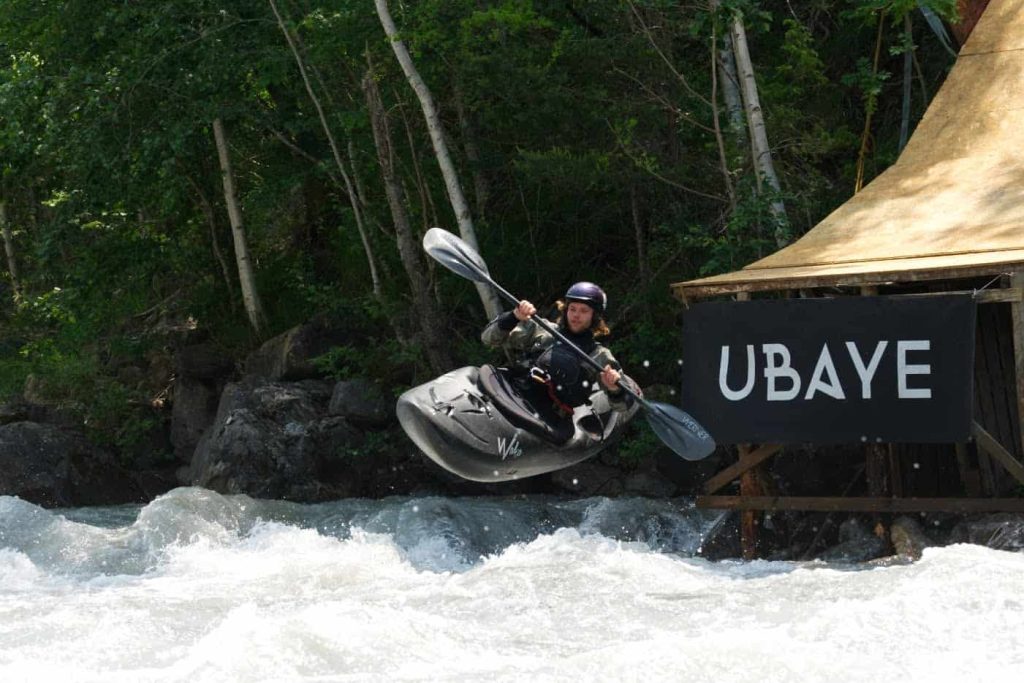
[509,448]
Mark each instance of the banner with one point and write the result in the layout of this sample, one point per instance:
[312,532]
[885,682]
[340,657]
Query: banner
[851,369]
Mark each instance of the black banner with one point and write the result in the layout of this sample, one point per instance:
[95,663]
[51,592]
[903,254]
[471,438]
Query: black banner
[852,369]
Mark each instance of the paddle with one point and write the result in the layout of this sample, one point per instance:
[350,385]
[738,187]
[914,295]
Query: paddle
[679,431]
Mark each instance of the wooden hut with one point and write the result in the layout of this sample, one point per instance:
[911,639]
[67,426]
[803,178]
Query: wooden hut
[948,216]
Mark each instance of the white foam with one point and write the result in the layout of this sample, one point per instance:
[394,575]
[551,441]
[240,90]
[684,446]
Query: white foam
[257,600]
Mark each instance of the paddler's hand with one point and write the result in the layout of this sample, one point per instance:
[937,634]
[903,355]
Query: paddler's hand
[610,378]
[524,311]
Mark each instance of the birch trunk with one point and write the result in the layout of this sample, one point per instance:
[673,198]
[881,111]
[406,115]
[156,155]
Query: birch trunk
[430,321]
[12,264]
[731,88]
[729,82]
[250,296]
[761,153]
[488,296]
[723,156]
[350,189]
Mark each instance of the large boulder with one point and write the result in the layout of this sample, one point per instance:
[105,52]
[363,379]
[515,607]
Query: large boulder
[201,371]
[202,362]
[1002,531]
[856,544]
[908,538]
[274,440]
[289,356]
[588,479]
[54,467]
[193,409]
[362,402]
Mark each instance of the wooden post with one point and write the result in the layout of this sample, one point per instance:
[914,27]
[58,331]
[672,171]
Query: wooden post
[1017,311]
[750,485]
[750,520]
[879,459]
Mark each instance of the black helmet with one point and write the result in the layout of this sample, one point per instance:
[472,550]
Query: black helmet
[588,293]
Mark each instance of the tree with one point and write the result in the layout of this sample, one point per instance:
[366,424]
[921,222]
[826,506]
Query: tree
[250,294]
[430,321]
[488,296]
[12,264]
[761,152]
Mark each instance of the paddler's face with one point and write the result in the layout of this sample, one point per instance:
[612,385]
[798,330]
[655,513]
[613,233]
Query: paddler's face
[579,316]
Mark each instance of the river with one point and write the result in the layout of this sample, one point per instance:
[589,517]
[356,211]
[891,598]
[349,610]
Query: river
[196,586]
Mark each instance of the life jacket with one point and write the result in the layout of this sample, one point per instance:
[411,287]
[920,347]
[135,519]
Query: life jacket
[570,382]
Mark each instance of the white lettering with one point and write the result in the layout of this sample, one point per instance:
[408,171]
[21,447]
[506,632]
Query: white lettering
[866,374]
[825,366]
[903,369]
[508,448]
[723,374]
[772,372]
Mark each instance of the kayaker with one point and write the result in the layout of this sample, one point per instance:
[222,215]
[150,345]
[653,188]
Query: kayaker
[550,374]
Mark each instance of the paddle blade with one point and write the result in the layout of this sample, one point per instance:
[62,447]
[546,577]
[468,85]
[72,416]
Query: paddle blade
[455,255]
[679,431]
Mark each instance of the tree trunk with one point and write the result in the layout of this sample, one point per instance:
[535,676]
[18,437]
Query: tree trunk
[12,264]
[211,221]
[723,157]
[350,189]
[908,78]
[250,296]
[643,268]
[730,84]
[481,188]
[488,296]
[431,322]
[865,136]
[760,151]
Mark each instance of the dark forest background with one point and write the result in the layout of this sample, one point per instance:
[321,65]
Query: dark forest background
[596,140]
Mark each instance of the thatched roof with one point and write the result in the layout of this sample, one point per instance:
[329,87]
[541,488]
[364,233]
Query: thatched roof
[951,206]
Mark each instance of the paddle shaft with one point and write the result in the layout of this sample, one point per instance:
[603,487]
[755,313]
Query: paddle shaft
[552,330]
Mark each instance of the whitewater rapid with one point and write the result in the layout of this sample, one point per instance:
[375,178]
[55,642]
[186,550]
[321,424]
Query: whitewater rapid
[200,587]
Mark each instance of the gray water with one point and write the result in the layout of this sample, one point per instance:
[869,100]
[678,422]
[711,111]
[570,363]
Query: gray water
[201,587]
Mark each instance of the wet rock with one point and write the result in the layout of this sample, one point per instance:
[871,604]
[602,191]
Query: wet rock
[649,484]
[722,541]
[193,409]
[856,544]
[202,362]
[289,356]
[15,411]
[362,402]
[272,441]
[55,467]
[589,479]
[1003,531]
[908,538]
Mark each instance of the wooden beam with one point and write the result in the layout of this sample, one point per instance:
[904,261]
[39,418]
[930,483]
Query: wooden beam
[769,284]
[754,458]
[840,504]
[990,445]
[1008,295]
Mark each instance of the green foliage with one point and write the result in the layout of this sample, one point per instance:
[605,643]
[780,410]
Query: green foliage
[590,125]
[638,444]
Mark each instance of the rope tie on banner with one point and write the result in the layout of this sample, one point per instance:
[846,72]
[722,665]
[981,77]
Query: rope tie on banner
[975,292]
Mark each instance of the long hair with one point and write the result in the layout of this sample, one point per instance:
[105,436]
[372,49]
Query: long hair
[598,327]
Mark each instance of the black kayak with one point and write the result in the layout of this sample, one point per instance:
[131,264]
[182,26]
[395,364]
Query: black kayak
[475,423]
